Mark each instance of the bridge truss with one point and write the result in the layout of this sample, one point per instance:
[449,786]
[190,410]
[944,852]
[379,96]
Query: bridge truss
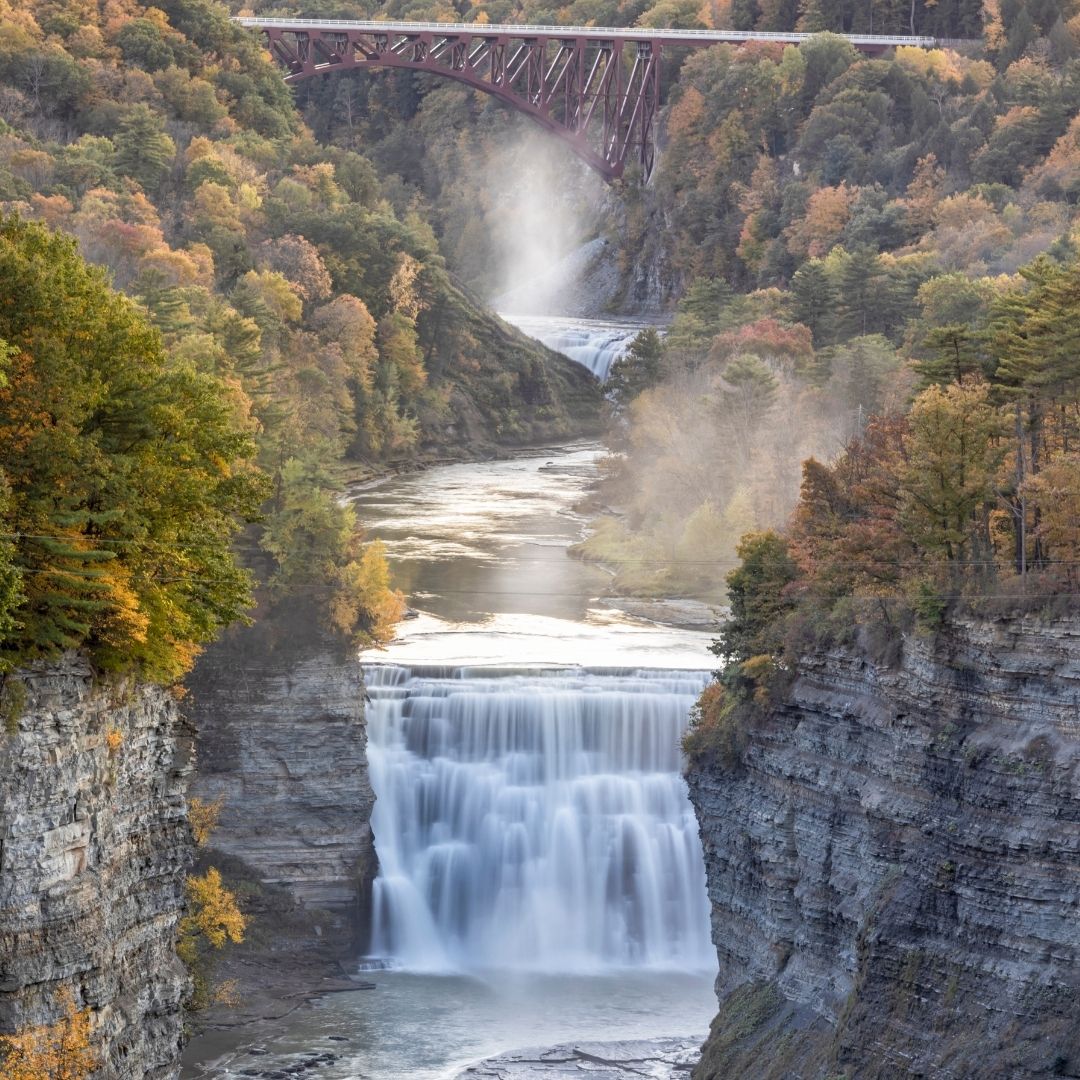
[596,88]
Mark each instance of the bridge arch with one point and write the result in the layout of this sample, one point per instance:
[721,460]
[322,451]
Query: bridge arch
[596,88]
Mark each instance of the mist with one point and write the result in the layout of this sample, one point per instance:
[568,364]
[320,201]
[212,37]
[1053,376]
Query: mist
[715,450]
[544,216]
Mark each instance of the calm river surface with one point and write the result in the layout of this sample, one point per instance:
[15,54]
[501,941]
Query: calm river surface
[499,781]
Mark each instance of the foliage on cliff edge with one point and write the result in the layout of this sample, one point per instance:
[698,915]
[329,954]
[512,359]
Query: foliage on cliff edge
[125,473]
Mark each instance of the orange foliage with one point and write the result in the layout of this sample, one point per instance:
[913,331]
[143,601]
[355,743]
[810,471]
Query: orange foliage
[765,338]
[827,213]
[59,1051]
[686,114]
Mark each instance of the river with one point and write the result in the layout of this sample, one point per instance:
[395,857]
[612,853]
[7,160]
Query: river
[541,877]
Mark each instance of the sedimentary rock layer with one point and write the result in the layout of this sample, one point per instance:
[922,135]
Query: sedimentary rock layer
[94,847]
[894,869]
[282,744]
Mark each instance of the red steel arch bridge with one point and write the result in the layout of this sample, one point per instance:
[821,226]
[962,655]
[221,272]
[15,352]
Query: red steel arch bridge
[596,88]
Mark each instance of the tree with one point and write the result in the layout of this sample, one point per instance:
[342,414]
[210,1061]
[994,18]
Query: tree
[746,397]
[143,150]
[954,452]
[637,369]
[758,592]
[814,300]
[213,920]
[859,293]
[58,1051]
[128,476]
[827,213]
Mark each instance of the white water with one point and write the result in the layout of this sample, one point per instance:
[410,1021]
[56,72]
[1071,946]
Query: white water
[593,344]
[534,820]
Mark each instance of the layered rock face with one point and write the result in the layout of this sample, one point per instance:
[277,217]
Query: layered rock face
[895,868]
[94,848]
[282,744]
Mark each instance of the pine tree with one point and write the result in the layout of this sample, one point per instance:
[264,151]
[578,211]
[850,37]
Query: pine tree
[814,300]
[637,370]
[143,150]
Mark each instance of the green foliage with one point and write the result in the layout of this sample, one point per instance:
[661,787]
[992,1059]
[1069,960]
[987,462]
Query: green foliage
[637,370]
[143,150]
[12,704]
[759,592]
[128,476]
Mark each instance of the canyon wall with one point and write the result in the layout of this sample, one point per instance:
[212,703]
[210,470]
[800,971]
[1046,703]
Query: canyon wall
[282,744]
[94,848]
[894,867]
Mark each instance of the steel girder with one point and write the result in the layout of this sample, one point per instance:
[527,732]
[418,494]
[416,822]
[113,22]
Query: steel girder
[599,96]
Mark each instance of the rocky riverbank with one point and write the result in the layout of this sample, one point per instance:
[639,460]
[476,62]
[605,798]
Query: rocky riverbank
[656,1059]
[894,870]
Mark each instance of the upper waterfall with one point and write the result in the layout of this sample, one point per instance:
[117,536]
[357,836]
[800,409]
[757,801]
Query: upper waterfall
[534,819]
[593,344]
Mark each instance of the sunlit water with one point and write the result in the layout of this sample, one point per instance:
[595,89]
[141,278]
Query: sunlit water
[541,876]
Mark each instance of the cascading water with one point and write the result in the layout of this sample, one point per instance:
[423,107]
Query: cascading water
[534,819]
[594,345]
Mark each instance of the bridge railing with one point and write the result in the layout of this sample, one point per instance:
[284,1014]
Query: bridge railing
[629,33]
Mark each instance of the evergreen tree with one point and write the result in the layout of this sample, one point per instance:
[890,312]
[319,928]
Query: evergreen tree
[637,370]
[814,300]
[143,150]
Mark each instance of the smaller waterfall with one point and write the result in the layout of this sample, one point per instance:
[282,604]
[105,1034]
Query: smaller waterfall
[594,345]
[534,819]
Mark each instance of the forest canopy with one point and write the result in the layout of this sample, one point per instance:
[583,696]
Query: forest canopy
[124,475]
[269,279]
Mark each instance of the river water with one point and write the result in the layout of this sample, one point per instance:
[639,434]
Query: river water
[541,876]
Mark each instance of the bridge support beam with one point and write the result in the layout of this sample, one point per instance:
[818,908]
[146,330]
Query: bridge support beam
[599,96]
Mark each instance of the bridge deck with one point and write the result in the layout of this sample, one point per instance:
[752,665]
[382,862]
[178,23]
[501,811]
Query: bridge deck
[603,33]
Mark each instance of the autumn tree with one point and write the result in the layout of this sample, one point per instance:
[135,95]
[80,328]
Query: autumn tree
[126,500]
[954,452]
[213,920]
[61,1050]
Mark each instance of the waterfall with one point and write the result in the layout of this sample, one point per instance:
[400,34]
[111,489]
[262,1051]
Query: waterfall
[594,345]
[534,819]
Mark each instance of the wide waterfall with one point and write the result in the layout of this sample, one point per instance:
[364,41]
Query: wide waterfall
[534,819]
[594,345]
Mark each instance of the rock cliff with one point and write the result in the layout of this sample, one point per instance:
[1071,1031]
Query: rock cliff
[282,744]
[894,868]
[94,848]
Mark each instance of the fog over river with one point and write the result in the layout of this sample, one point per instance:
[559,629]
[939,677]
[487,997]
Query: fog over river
[541,875]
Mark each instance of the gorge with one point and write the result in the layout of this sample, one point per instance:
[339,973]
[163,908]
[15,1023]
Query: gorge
[766,703]
[505,774]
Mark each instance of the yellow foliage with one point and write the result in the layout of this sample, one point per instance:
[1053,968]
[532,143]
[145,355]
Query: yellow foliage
[215,917]
[203,817]
[1054,494]
[993,25]
[760,670]
[403,293]
[59,1051]
[114,739]
[364,604]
